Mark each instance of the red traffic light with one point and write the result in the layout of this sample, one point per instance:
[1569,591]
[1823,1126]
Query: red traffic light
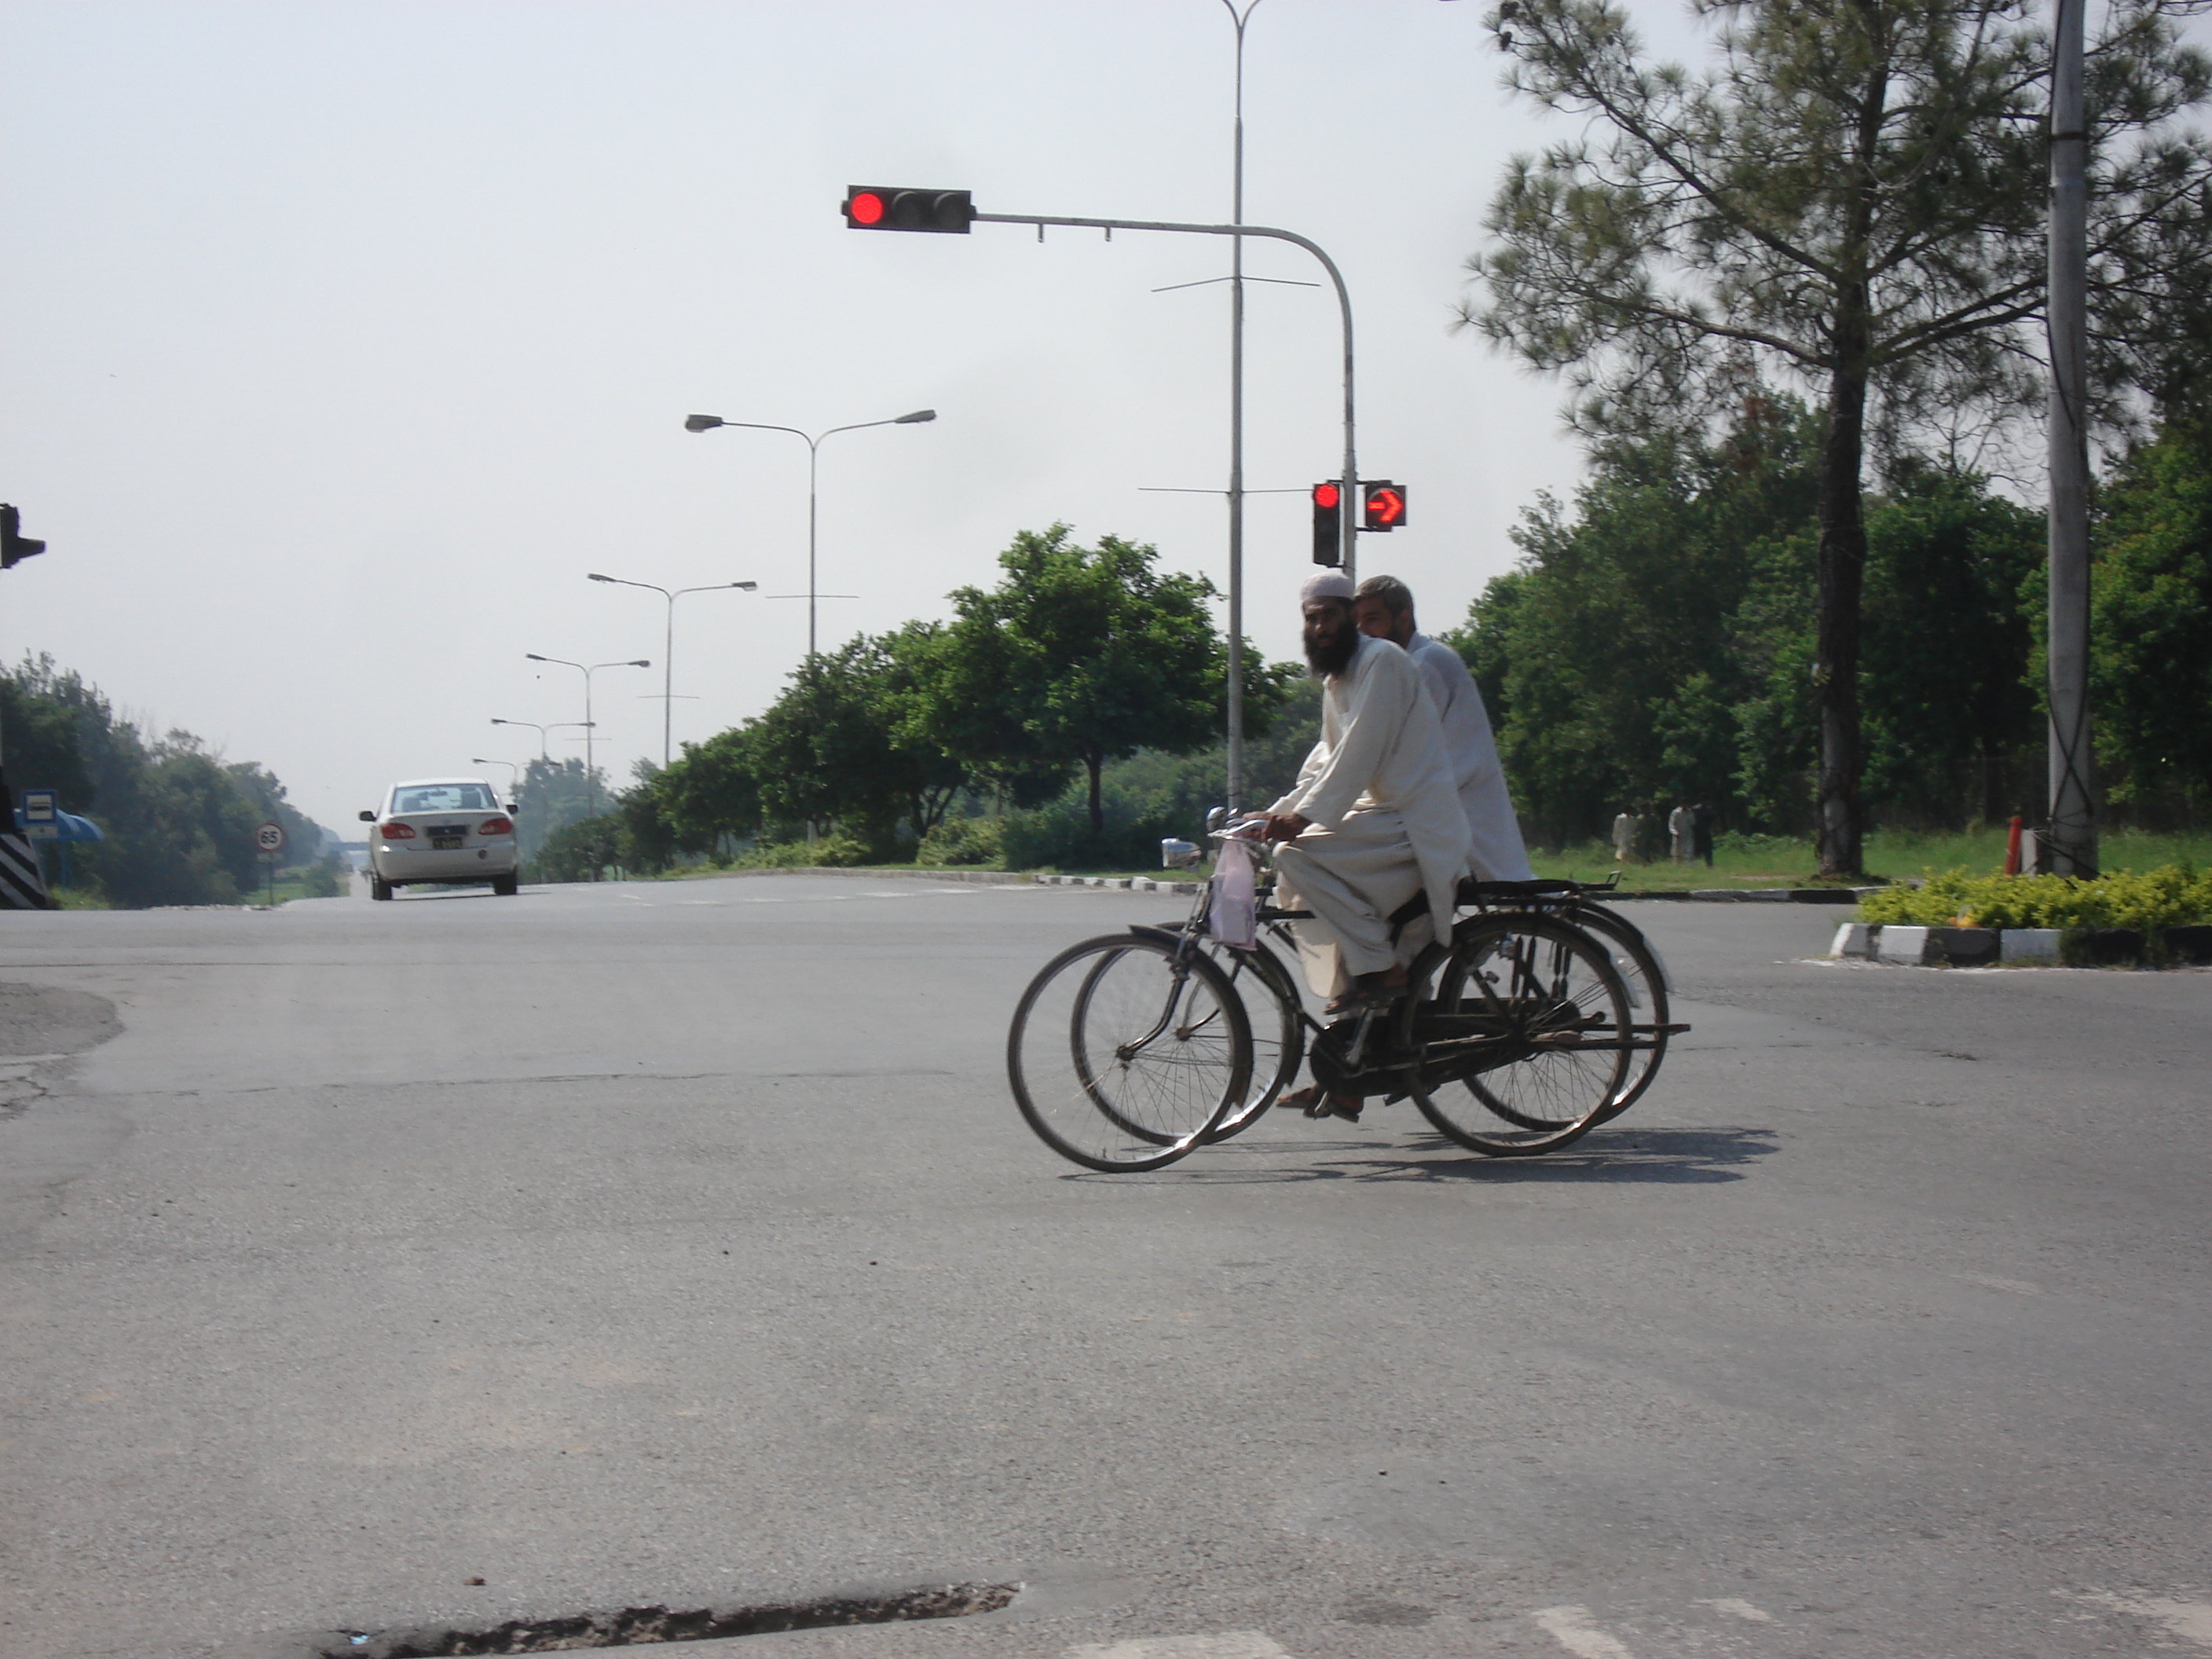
[1327,524]
[1382,506]
[887,207]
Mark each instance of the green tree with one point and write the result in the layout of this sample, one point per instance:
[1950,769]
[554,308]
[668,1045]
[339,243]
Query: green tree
[1079,656]
[712,790]
[2150,608]
[40,711]
[578,850]
[1654,644]
[1948,642]
[646,840]
[1852,199]
[549,795]
[1611,660]
[178,819]
[846,744]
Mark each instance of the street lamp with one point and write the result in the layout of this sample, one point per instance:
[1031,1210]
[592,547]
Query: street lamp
[708,422]
[668,652]
[540,730]
[591,777]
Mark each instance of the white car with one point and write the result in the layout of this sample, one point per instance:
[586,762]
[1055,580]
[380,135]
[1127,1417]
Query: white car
[441,830]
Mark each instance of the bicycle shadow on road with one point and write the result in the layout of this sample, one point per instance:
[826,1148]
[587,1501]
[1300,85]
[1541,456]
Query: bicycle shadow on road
[1687,1157]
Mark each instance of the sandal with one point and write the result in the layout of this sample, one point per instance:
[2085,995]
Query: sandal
[1315,1102]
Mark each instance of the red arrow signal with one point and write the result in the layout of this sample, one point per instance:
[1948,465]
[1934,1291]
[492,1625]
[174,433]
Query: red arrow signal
[1382,506]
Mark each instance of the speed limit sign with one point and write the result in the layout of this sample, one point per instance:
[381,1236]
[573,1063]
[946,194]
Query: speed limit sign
[270,837]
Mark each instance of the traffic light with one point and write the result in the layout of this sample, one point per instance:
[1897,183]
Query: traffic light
[14,546]
[1381,506]
[1329,524]
[888,207]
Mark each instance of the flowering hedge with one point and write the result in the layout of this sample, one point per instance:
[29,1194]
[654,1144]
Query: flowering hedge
[2147,900]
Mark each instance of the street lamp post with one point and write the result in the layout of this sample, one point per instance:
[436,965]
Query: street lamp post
[540,730]
[1234,745]
[668,649]
[590,775]
[708,422]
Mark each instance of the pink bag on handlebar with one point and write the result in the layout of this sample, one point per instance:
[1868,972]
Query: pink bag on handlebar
[1232,914]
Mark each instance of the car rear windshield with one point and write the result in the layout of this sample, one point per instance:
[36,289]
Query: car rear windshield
[444,798]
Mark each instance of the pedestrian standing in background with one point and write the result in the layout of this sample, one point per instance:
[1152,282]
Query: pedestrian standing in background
[1625,827]
[1701,833]
[1680,824]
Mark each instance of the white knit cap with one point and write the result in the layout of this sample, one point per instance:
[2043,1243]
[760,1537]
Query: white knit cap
[1324,584]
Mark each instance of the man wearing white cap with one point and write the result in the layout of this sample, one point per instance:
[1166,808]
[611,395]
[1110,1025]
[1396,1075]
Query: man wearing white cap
[1374,816]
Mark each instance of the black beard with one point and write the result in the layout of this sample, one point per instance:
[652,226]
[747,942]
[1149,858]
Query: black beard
[1328,660]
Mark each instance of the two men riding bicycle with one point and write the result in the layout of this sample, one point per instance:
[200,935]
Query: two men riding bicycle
[1392,801]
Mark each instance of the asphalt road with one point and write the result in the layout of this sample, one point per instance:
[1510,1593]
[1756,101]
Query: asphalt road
[679,1244]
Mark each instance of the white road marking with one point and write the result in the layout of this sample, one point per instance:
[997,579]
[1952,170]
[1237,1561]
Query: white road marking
[2191,1621]
[1570,1627]
[1741,1609]
[1230,1644]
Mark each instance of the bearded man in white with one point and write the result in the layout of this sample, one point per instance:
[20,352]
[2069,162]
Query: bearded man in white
[1384,607]
[1374,818]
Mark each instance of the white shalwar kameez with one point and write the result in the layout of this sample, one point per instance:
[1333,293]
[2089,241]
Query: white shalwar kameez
[1495,851]
[1378,792]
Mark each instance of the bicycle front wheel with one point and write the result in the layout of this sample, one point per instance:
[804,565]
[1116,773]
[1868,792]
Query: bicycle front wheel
[1529,1023]
[1127,1051]
[1270,998]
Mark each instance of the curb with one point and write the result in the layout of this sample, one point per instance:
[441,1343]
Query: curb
[2011,947]
[1946,947]
[1132,884]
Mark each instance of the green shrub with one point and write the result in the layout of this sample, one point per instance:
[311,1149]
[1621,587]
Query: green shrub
[1059,837]
[833,851]
[2171,896]
[961,842]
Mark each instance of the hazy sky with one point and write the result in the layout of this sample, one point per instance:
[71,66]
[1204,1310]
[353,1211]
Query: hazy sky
[341,340]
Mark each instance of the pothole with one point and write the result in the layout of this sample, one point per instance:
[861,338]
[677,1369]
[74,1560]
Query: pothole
[631,1627]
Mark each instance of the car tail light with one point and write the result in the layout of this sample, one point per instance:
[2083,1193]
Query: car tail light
[397,831]
[496,827]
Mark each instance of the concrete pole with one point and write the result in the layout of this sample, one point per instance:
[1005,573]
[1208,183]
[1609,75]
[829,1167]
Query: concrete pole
[1235,689]
[2073,804]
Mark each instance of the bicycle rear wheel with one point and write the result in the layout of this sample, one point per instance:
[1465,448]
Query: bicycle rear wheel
[1645,977]
[1528,1023]
[1127,1051]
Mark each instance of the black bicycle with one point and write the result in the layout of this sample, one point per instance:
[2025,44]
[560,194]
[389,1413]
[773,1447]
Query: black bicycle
[1518,1034]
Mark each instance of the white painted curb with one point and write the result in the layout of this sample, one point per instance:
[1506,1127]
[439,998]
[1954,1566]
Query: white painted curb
[2038,944]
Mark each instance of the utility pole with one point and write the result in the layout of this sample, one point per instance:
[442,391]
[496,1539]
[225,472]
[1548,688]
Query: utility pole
[2073,832]
[1236,733]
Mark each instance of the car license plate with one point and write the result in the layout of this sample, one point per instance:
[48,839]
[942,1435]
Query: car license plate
[445,843]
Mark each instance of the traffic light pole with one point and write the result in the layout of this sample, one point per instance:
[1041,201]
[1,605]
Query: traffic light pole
[1351,486]
[2073,800]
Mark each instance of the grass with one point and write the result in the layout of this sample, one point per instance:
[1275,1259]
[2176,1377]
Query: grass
[1746,861]
[1890,855]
